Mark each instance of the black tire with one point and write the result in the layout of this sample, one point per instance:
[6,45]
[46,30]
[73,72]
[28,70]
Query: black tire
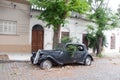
[88,61]
[46,64]
[31,59]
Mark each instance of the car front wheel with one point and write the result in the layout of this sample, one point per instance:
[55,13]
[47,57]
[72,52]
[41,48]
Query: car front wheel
[88,61]
[46,64]
[31,59]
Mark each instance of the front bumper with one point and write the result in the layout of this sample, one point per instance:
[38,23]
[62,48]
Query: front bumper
[32,59]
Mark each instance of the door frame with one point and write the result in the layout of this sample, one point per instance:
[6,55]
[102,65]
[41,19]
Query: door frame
[37,27]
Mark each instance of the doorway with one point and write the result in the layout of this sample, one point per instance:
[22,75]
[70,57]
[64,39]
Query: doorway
[37,38]
[84,40]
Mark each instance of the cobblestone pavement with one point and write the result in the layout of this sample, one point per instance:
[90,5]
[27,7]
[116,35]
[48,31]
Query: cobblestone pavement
[101,69]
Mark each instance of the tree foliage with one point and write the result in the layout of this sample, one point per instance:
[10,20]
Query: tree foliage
[92,38]
[56,11]
[118,11]
[104,19]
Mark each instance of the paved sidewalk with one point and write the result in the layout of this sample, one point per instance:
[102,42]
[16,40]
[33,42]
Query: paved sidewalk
[4,57]
[111,54]
[17,56]
[26,56]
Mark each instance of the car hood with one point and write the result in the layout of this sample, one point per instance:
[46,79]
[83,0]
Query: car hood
[50,52]
[53,53]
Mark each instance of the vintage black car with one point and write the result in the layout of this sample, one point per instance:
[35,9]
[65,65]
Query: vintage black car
[66,54]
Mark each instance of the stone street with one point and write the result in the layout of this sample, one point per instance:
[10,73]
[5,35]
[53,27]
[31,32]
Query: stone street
[101,69]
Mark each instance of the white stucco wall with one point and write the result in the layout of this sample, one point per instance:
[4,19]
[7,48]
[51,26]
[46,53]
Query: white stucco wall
[76,28]
[48,32]
[108,34]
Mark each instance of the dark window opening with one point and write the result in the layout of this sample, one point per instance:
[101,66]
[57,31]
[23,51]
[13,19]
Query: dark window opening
[112,45]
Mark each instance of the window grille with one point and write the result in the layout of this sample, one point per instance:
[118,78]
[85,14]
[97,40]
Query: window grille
[8,27]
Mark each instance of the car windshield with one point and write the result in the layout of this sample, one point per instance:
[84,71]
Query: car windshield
[69,47]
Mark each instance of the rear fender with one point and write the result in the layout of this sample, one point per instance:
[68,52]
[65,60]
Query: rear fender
[90,57]
[87,56]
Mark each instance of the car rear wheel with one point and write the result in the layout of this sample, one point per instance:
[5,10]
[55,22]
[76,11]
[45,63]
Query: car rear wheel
[88,61]
[46,64]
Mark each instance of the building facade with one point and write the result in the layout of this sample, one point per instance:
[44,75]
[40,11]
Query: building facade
[14,26]
[21,31]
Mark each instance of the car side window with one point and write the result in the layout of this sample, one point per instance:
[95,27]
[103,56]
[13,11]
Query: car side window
[80,48]
[71,48]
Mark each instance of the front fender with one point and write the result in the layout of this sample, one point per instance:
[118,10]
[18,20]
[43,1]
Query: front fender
[52,59]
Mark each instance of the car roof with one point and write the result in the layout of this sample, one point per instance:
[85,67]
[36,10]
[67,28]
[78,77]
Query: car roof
[75,44]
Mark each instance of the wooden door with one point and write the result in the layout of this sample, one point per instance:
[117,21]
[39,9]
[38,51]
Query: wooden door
[37,40]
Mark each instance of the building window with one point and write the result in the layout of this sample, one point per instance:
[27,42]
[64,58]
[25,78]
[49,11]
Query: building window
[8,27]
[84,40]
[65,37]
[112,46]
[65,34]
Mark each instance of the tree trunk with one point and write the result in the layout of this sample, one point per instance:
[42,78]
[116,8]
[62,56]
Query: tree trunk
[56,37]
[94,49]
[99,45]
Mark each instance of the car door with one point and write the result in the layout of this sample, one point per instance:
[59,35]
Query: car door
[79,54]
[65,57]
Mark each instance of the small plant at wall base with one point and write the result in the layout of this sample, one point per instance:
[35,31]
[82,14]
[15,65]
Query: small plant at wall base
[100,55]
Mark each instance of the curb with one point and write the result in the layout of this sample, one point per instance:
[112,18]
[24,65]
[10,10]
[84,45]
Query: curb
[9,61]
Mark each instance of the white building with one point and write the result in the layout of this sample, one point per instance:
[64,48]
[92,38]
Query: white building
[113,42]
